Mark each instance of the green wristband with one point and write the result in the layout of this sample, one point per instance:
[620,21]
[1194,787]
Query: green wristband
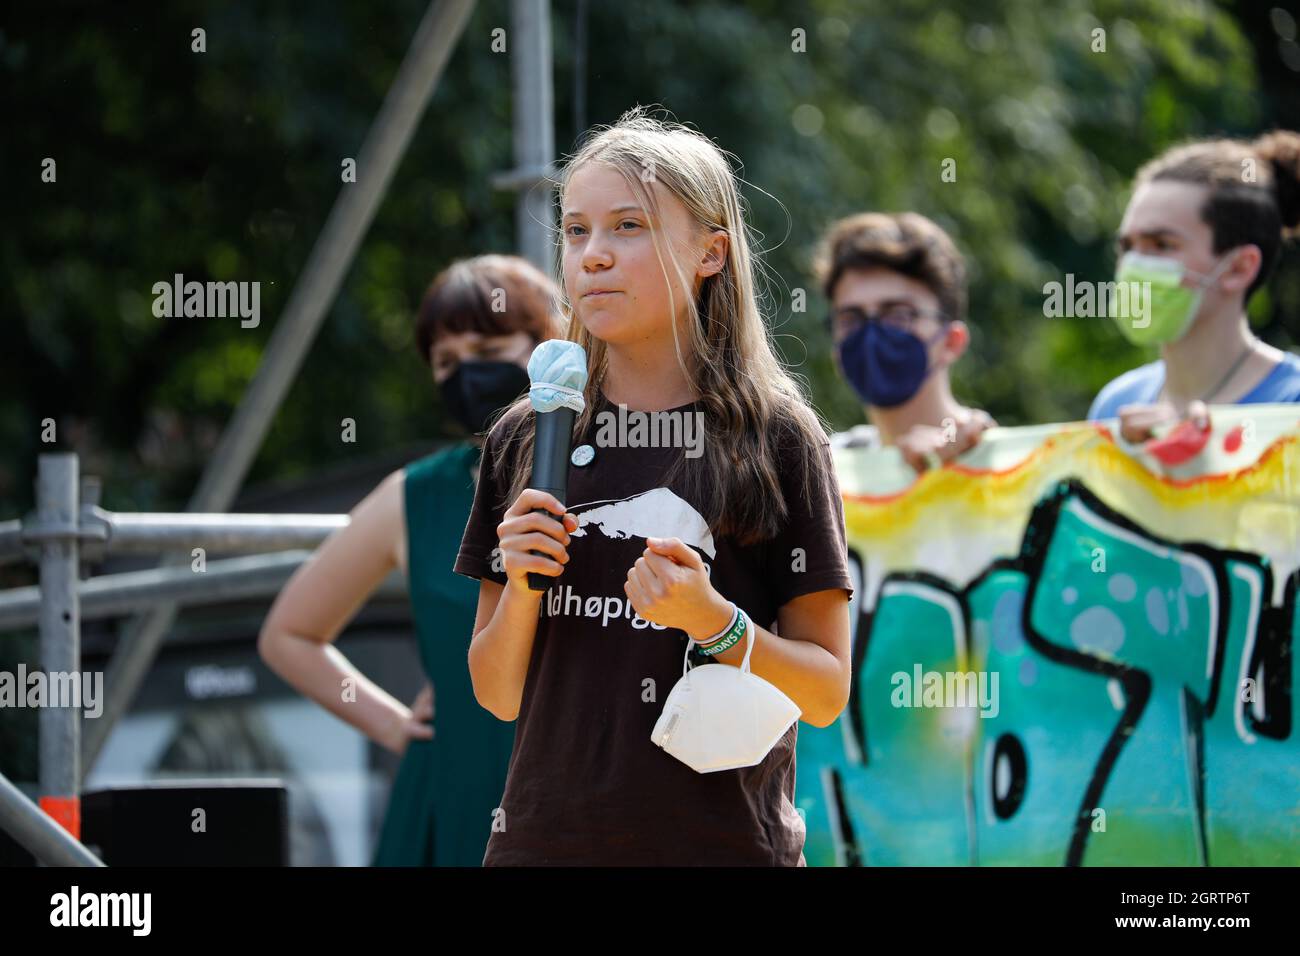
[731,637]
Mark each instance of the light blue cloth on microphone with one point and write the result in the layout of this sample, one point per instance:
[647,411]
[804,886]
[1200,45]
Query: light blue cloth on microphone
[558,371]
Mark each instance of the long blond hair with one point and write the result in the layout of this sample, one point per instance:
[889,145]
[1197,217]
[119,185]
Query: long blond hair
[751,404]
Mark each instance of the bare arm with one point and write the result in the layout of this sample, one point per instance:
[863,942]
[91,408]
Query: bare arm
[296,639]
[810,661]
[506,622]
[502,646]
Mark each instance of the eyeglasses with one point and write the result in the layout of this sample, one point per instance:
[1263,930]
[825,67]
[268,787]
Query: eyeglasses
[897,315]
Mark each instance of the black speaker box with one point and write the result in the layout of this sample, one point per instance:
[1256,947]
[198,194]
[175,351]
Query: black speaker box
[184,823]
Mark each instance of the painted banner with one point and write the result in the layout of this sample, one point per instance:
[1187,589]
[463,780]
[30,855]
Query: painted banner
[1069,650]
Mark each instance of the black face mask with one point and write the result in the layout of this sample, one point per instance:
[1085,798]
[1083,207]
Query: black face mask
[477,389]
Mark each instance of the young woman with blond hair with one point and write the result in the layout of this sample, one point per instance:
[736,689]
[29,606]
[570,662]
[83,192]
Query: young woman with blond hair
[739,547]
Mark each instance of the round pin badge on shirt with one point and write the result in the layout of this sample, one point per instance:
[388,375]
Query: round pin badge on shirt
[583,455]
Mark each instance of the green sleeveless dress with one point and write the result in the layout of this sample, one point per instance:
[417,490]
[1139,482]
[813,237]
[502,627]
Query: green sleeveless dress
[440,810]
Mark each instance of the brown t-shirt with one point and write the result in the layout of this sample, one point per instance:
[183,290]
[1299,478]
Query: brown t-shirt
[585,784]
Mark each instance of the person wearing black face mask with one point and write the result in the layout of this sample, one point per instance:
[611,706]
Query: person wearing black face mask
[477,326]
[897,288]
[480,387]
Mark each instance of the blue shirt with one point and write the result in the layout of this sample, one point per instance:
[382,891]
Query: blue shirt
[1141,385]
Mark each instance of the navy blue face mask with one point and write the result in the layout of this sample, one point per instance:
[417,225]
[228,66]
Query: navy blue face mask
[885,365]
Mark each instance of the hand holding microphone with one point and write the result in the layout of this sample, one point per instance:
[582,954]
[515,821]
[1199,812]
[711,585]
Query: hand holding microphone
[558,372]
[534,538]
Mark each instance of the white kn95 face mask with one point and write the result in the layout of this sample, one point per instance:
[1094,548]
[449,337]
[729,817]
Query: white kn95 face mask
[719,717]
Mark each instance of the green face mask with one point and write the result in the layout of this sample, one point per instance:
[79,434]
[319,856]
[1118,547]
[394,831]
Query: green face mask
[1151,305]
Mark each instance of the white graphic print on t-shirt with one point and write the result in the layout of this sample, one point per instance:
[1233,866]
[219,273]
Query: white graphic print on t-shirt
[658,513]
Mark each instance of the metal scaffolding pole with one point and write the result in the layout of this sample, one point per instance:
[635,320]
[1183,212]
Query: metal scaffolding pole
[231,579]
[103,532]
[39,835]
[11,541]
[60,624]
[431,48]
[161,531]
[534,132]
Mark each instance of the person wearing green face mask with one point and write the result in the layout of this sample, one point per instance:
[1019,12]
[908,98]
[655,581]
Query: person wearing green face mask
[1203,230]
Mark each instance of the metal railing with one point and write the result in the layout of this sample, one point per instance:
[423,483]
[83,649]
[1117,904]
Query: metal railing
[62,535]
[59,535]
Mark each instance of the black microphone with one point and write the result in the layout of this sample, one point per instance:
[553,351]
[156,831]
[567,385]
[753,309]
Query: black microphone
[555,363]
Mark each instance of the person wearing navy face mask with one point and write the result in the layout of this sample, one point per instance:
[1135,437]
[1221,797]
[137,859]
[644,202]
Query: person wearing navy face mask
[477,325]
[897,288]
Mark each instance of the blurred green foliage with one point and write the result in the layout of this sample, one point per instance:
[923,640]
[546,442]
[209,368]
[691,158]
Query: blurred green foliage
[224,165]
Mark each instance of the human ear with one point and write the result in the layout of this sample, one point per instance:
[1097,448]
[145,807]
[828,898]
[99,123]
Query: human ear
[715,254]
[956,340]
[1244,268]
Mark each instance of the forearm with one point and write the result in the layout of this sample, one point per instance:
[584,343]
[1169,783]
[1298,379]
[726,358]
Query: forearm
[806,672]
[321,672]
[500,651]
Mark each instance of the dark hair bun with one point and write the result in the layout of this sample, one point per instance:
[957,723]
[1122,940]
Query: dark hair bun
[1281,149]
